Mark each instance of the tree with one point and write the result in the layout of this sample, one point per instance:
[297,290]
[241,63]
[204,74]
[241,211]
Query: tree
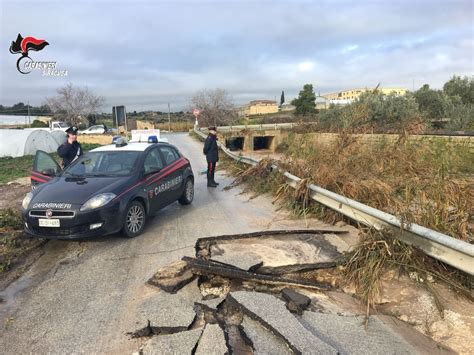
[282,98]
[75,104]
[305,103]
[433,103]
[462,88]
[216,107]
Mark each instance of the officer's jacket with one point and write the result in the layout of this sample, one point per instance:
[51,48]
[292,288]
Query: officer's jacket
[69,152]
[211,149]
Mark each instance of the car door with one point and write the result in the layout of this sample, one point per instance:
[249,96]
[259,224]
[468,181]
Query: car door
[152,165]
[44,169]
[173,178]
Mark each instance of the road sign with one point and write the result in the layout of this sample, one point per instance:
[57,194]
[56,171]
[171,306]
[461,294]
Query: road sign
[196,112]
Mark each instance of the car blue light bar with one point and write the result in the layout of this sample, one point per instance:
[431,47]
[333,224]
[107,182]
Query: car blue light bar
[152,139]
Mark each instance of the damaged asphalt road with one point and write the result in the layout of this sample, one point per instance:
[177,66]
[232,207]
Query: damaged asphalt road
[86,297]
[244,308]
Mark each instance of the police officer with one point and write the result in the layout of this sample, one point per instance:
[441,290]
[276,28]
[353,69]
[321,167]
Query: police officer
[211,151]
[71,149]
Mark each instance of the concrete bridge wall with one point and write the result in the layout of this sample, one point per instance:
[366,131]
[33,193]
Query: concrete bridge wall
[279,136]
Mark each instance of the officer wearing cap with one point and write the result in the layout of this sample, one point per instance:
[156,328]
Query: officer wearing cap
[212,156]
[71,149]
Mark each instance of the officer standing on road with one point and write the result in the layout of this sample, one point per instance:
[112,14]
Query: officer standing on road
[211,151]
[71,149]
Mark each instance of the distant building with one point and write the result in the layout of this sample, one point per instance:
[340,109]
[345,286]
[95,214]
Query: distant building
[258,107]
[348,96]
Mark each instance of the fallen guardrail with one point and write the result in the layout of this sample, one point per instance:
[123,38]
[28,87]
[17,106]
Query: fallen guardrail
[449,250]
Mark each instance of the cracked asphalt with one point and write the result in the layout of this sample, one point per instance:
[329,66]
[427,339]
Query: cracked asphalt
[84,296]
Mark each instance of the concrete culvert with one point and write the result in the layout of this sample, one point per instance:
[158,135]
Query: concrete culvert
[235,143]
[262,142]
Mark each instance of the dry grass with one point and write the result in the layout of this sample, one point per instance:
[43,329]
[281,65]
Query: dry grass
[426,183]
[379,252]
[430,184]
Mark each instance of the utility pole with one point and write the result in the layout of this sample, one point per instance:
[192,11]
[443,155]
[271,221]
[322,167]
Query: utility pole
[28,105]
[169,118]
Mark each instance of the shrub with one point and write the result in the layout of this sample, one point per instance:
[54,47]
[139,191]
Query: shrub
[39,124]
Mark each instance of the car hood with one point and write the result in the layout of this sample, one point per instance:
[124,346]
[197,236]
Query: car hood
[77,191]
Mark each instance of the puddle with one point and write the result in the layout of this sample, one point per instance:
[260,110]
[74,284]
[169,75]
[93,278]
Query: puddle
[9,297]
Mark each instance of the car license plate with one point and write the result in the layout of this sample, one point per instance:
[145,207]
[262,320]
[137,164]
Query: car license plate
[48,222]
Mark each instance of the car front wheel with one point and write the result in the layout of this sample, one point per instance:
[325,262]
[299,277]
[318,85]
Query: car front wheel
[188,193]
[135,218]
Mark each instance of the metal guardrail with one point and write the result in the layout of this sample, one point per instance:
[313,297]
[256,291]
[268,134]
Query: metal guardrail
[449,250]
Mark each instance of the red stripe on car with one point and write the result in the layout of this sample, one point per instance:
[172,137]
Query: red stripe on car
[42,175]
[161,174]
[38,179]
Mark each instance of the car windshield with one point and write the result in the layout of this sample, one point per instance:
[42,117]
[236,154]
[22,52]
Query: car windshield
[103,164]
[63,125]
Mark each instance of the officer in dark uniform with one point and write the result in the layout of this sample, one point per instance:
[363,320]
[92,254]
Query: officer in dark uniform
[211,151]
[71,149]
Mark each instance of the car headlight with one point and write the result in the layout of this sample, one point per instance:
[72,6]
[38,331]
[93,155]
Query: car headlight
[98,201]
[27,200]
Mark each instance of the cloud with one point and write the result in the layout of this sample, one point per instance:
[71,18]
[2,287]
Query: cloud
[306,66]
[350,48]
[144,54]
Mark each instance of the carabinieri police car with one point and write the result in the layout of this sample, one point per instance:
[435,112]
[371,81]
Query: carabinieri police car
[110,189]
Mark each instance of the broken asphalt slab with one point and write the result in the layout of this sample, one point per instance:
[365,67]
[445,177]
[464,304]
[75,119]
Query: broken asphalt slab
[172,277]
[164,310]
[212,341]
[295,302]
[211,304]
[209,267]
[178,343]
[308,249]
[273,315]
[204,243]
[263,340]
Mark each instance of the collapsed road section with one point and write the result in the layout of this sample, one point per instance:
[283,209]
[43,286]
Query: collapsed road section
[263,293]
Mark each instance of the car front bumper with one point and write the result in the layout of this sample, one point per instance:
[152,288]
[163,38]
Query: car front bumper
[78,226]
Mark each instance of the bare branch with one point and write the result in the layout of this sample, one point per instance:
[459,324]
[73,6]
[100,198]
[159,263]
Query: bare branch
[216,107]
[74,104]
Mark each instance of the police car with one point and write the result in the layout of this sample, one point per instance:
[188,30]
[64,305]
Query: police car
[110,189]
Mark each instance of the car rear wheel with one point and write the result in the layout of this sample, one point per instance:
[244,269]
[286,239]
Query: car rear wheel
[135,219]
[188,193]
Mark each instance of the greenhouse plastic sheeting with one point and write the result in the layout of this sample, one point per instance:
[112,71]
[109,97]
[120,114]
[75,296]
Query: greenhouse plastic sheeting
[59,136]
[19,142]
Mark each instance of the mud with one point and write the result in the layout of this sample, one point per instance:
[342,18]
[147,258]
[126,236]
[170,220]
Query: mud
[442,315]
[275,252]
[12,194]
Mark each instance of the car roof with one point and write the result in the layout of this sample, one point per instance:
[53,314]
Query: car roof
[133,146]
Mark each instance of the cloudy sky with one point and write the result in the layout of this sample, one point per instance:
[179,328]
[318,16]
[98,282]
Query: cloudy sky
[146,53]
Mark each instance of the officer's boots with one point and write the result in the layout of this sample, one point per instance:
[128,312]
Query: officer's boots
[210,180]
